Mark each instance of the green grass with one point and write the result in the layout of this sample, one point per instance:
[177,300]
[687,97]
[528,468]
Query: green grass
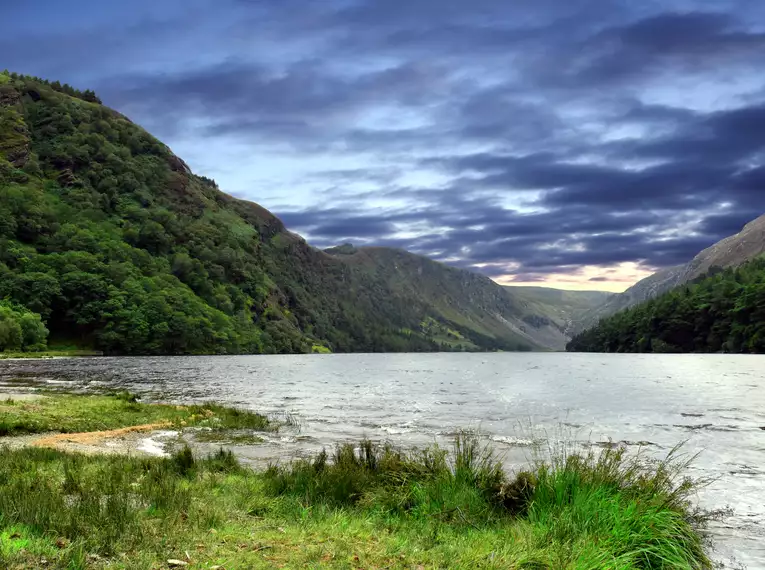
[227,436]
[68,413]
[368,506]
[50,354]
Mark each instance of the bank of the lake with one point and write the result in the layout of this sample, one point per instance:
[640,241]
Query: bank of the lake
[49,354]
[365,506]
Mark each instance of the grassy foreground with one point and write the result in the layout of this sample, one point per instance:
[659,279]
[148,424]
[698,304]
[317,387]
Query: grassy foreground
[364,506]
[68,413]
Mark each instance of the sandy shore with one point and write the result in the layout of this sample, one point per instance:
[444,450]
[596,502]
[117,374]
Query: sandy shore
[148,440]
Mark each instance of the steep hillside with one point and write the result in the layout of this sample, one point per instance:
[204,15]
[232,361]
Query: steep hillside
[730,252]
[118,246]
[562,307]
[474,308]
[721,312]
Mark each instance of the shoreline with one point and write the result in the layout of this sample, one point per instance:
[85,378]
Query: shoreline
[366,505]
[50,354]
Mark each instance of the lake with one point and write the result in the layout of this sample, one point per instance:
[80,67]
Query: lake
[715,403]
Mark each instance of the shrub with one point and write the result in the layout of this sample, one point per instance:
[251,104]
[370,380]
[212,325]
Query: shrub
[20,329]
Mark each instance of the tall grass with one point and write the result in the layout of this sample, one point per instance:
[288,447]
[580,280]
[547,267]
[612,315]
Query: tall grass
[100,504]
[620,511]
[456,508]
[600,509]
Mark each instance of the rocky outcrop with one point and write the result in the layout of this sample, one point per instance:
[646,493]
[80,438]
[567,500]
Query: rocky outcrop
[178,165]
[730,252]
[9,96]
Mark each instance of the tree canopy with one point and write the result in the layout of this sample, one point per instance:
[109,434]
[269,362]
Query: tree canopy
[723,311]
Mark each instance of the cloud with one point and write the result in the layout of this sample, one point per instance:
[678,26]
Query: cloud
[519,139]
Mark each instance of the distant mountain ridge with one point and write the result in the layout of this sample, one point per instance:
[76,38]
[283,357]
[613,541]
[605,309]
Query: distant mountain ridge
[729,252]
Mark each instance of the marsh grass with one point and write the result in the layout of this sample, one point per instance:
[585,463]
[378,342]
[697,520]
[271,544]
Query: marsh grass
[597,509]
[47,354]
[365,505]
[621,510]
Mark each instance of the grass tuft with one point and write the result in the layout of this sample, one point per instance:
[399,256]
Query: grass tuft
[599,509]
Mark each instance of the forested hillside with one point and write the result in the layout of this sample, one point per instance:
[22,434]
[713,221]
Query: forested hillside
[732,251]
[721,312]
[118,246]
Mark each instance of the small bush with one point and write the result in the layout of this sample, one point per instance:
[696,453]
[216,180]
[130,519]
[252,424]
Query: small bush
[183,460]
[125,396]
[222,461]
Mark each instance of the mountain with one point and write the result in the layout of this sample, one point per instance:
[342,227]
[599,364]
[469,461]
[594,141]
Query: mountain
[730,252]
[465,309]
[563,308]
[722,311]
[109,241]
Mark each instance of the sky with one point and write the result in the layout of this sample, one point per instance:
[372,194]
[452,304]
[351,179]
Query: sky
[579,144]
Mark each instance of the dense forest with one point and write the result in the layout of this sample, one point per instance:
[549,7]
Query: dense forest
[114,244]
[723,311]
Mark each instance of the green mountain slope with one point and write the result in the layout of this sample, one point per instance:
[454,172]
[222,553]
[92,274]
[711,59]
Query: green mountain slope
[561,307]
[465,309]
[723,311]
[118,246]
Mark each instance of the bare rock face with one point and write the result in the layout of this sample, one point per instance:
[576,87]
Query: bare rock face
[67,178]
[178,165]
[9,96]
[730,252]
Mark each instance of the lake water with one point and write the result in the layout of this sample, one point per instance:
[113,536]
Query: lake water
[716,403]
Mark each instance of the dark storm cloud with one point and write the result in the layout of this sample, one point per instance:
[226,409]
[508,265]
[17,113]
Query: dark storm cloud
[298,101]
[725,137]
[665,43]
[554,241]
[721,226]
[522,137]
